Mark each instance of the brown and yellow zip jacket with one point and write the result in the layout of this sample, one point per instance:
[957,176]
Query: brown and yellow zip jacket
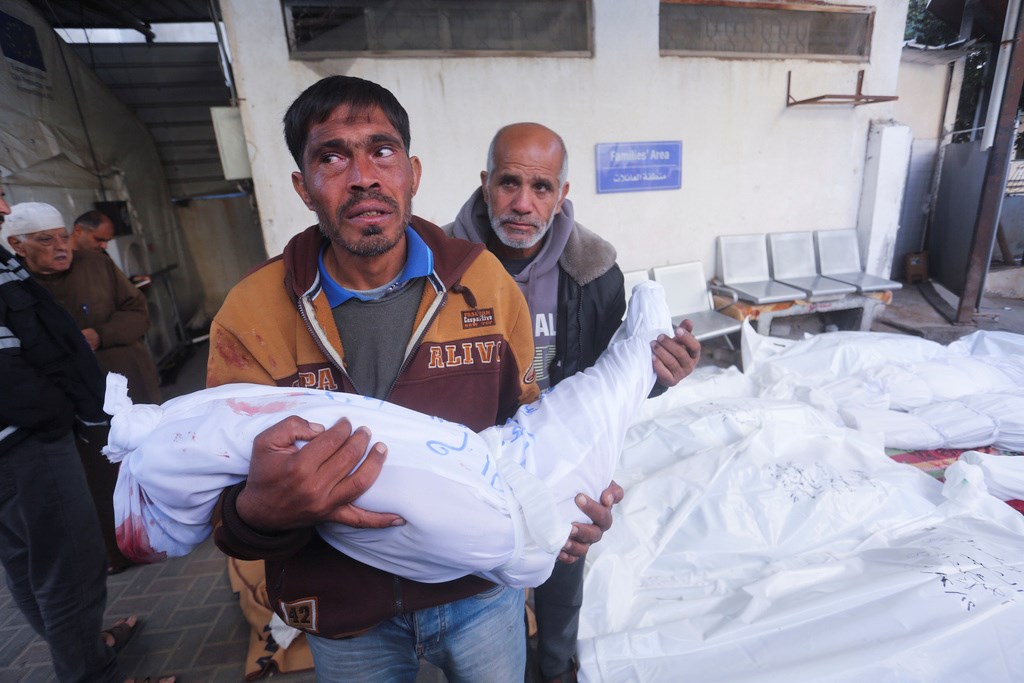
[468,360]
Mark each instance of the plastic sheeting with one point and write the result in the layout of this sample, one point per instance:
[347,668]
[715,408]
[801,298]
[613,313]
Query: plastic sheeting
[916,393]
[1007,409]
[762,539]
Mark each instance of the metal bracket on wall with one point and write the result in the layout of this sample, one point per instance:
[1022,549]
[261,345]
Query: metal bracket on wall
[856,99]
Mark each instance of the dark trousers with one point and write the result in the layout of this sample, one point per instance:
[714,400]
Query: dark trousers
[101,475]
[557,603]
[52,551]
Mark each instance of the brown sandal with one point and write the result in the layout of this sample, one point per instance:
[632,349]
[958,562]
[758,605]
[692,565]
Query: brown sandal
[122,633]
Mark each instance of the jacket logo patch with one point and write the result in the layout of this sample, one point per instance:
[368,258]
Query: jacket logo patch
[464,353]
[301,614]
[530,376]
[481,317]
[323,379]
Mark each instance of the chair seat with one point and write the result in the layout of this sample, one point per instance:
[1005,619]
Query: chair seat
[866,283]
[816,285]
[766,292]
[708,324]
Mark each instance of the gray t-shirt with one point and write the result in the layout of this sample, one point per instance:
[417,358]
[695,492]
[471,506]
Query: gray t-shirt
[373,359]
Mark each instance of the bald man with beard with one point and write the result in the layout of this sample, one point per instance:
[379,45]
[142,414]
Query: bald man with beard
[577,300]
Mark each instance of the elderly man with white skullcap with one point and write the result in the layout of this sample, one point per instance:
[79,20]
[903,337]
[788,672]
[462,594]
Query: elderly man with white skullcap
[50,539]
[113,317]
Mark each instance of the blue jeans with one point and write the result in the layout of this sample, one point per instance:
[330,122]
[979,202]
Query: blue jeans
[479,639]
[52,550]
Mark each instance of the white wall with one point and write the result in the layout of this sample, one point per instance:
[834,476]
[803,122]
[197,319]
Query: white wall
[885,175]
[749,163]
[922,103]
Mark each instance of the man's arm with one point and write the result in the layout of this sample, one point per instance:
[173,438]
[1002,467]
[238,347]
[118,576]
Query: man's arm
[585,535]
[231,362]
[290,487]
[675,357]
[40,407]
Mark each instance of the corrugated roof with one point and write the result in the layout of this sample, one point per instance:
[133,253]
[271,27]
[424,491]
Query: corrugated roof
[937,54]
[171,87]
[133,14]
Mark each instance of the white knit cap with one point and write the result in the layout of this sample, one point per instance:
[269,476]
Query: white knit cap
[29,217]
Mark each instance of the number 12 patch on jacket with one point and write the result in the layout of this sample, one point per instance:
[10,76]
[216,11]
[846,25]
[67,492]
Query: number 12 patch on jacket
[301,614]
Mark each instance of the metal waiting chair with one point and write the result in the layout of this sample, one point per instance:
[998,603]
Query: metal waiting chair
[839,259]
[793,263]
[689,296]
[742,266]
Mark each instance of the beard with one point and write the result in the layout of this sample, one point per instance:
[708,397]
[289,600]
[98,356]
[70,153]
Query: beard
[372,241]
[516,242]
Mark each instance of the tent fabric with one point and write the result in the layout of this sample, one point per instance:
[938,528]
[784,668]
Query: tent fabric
[65,136]
[761,540]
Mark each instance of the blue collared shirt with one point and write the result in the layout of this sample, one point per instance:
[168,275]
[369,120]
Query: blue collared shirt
[419,262]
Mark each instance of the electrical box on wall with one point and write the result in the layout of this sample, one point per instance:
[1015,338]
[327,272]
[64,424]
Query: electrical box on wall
[118,213]
[234,154]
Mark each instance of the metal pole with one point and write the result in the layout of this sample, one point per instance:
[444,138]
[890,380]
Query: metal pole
[994,185]
[999,80]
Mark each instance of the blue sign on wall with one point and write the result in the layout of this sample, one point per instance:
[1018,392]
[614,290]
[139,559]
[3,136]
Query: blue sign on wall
[639,166]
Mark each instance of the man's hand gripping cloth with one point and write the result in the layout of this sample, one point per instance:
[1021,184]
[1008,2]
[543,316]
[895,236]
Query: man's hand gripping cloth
[498,504]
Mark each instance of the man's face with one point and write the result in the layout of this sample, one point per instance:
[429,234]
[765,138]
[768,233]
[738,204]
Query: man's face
[522,192]
[5,208]
[45,252]
[94,240]
[359,179]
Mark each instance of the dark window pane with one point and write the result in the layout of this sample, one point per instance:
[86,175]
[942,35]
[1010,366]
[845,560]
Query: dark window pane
[329,27]
[757,30]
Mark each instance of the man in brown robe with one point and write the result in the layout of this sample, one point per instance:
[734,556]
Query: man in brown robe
[113,316]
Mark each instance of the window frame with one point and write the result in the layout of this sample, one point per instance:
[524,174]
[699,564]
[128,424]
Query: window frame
[869,12]
[313,55]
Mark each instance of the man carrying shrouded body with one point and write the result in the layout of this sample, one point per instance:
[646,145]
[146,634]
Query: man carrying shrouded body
[375,301]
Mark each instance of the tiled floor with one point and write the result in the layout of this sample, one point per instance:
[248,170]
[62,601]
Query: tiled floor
[192,625]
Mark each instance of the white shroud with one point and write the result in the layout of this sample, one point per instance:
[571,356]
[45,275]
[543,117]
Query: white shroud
[498,504]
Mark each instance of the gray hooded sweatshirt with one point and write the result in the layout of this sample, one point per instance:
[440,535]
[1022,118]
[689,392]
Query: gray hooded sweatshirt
[538,281]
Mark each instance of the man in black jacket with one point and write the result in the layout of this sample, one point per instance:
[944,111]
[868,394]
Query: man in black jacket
[50,542]
[577,300]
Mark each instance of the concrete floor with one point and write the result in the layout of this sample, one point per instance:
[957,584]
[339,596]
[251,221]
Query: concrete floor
[193,626]
[911,313]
